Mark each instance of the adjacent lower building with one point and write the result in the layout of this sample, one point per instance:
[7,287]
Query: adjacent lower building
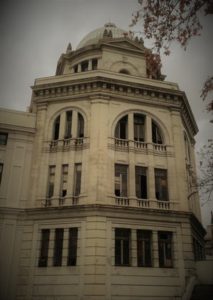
[98,181]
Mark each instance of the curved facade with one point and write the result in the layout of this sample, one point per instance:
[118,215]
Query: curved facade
[109,209]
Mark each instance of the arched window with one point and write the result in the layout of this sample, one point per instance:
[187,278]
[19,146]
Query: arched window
[156,134]
[121,128]
[56,128]
[80,132]
[124,71]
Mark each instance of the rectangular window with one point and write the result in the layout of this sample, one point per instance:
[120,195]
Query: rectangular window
[72,247]
[94,64]
[139,128]
[3,138]
[144,248]
[1,172]
[161,189]
[121,180]
[64,177]
[84,66]
[122,246]
[77,180]
[50,189]
[80,126]
[198,249]
[165,249]
[68,131]
[58,247]
[141,182]
[43,257]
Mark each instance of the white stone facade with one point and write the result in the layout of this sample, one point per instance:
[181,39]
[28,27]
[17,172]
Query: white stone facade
[138,234]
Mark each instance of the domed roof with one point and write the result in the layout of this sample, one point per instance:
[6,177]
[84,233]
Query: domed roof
[109,30]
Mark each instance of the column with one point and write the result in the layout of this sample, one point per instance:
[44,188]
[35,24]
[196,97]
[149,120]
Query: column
[134,247]
[51,248]
[79,68]
[151,183]
[148,131]
[65,247]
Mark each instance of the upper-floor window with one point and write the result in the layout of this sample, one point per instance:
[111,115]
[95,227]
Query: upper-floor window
[140,130]
[121,180]
[124,71]
[141,182]
[64,178]
[1,171]
[121,128]
[156,134]
[56,128]
[51,181]
[3,138]
[71,122]
[84,66]
[77,179]
[94,64]
[139,127]
[161,187]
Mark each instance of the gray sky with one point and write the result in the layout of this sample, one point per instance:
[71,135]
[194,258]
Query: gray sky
[35,32]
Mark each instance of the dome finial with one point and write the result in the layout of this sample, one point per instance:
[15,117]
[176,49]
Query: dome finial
[69,48]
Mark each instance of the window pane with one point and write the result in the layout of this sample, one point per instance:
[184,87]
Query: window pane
[68,132]
[43,257]
[77,180]
[56,128]
[121,128]
[64,177]
[80,126]
[165,249]
[139,128]
[156,135]
[72,248]
[122,246]
[51,179]
[58,247]
[3,138]
[121,180]
[141,182]
[144,249]
[161,189]
[1,172]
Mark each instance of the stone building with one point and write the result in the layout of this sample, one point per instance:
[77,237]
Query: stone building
[97,198]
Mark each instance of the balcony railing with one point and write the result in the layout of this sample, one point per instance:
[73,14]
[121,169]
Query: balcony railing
[126,145]
[61,201]
[67,144]
[146,203]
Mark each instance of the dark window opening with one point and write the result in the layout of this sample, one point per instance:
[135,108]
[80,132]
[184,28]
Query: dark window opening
[77,180]
[64,178]
[3,138]
[75,68]
[84,66]
[122,246]
[72,247]
[139,128]
[165,249]
[58,247]
[56,128]
[43,257]
[121,128]
[141,182]
[1,171]
[68,131]
[80,126]
[156,135]
[94,64]
[50,190]
[121,180]
[144,248]
[198,249]
[161,189]
[124,71]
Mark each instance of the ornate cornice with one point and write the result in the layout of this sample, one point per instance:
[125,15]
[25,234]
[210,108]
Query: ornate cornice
[109,88]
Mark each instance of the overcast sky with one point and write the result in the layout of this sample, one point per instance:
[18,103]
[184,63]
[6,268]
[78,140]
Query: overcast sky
[35,32]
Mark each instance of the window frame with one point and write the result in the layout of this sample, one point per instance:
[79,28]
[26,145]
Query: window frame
[72,246]
[123,180]
[144,241]
[122,247]
[137,176]
[44,248]
[163,249]
[58,247]
[161,191]
[3,142]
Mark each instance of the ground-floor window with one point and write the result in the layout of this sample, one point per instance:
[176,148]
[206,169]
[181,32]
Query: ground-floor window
[122,246]
[144,248]
[165,249]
